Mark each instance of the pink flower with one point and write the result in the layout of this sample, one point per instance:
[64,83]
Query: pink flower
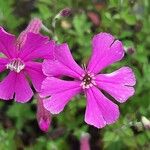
[21,64]
[100,111]
[43,116]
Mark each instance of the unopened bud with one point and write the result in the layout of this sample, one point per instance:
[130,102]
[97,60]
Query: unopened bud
[146,122]
[129,50]
[43,116]
[84,141]
[65,12]
[94,17]
[34,26]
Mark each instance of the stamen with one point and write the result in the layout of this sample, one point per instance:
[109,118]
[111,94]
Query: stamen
[84,67]
[87,80]
[16,65]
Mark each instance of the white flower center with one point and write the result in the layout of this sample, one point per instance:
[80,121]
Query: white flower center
[88,80]
[16,65]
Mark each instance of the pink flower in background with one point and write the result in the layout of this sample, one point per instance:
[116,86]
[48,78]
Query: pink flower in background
[85,141]
[43,116]
[22,64]
[100,111]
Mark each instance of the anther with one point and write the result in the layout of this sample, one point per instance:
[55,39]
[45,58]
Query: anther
[87,80]
[15,65]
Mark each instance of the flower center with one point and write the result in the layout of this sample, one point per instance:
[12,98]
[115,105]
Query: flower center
[87,80]
[16,65]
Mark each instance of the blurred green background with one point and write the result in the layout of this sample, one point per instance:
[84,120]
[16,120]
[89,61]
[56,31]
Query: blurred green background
[129,21]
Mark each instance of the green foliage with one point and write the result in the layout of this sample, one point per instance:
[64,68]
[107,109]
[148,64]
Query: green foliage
[7,18]
[21,114]
[7,139]
[129,21]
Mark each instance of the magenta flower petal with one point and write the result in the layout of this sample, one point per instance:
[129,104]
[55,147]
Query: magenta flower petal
[51,68]
[3,62]
[93,114]
[7,86]
[62,91]
[7,41]
[57,69]
[53,85]
[124,76]
[106,51]
[15,83]
[36,46]
[104,112]
[66,62]
[56,103]
[34,25]
[34,71]
[44,51]
[23,91]
[118,84]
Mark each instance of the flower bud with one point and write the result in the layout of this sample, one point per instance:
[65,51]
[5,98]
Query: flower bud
[34,26]
[84,141]
[129,50]
[65,12]
[94,17]
[146,122]
[43,116]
